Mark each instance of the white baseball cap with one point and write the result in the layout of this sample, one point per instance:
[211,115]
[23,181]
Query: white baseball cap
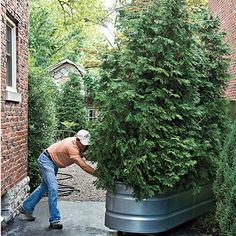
[83,135]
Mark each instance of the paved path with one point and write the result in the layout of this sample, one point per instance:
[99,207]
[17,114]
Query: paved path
[78,218]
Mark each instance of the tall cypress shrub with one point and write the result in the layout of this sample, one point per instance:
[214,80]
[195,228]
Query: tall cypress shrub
[71,105]
[212,106]
[225,186]
[152,104]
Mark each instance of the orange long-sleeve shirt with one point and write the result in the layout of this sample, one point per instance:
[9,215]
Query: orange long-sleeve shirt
[65,152]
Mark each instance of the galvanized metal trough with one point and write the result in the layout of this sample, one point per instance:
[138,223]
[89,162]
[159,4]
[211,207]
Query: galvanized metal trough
[154,215]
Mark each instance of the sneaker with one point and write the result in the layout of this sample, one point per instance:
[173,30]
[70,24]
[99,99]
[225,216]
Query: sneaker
[28,216]
[56,225]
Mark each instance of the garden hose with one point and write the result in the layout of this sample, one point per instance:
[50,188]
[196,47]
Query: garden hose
[64,189]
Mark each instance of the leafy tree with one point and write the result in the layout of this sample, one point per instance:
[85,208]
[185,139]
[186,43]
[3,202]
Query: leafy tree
[89,17]
[225,187]
[65,29]
[50,41]
[152,94]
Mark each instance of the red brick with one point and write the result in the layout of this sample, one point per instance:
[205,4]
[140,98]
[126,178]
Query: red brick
[226,11]
[14,116]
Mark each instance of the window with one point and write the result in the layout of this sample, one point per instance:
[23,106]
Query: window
[12,94]
[92,114]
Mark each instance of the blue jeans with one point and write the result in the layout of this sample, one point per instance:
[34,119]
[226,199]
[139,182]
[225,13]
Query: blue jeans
[49,185]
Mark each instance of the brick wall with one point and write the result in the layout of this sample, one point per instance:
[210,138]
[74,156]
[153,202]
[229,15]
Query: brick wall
[226,11]
[14,115]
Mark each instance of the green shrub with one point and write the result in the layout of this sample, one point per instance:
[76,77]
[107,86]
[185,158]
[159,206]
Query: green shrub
[71,105]
[225,186]
[162,115]
[42,119]
[212,107]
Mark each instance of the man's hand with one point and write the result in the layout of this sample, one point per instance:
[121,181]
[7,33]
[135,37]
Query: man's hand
[96,174]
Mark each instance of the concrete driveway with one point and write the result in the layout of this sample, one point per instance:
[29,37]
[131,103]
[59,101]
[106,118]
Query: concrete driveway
[78,218]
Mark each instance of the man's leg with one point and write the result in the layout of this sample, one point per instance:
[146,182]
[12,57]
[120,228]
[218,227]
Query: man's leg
[29,204]
[49,171]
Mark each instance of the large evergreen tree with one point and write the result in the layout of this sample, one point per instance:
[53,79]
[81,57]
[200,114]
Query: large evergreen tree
[153,91]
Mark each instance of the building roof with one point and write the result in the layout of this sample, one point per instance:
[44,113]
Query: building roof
[67,62]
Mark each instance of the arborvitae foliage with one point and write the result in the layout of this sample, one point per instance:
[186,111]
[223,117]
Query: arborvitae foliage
[212,106]
[225,186]
[71,104]
[153,134]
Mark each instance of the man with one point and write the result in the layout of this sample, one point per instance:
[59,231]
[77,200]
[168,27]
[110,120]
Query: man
[58,155]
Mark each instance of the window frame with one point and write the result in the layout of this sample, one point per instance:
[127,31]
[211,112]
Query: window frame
[12,94]
[12,25]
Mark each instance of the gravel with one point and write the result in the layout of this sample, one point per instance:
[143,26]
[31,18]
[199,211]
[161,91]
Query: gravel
[82,181]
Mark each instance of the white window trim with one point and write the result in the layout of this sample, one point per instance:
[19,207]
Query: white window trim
[95,114]
[12,94]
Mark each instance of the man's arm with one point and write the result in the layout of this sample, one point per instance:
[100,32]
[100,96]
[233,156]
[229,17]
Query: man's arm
[89,169]
[77,159]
